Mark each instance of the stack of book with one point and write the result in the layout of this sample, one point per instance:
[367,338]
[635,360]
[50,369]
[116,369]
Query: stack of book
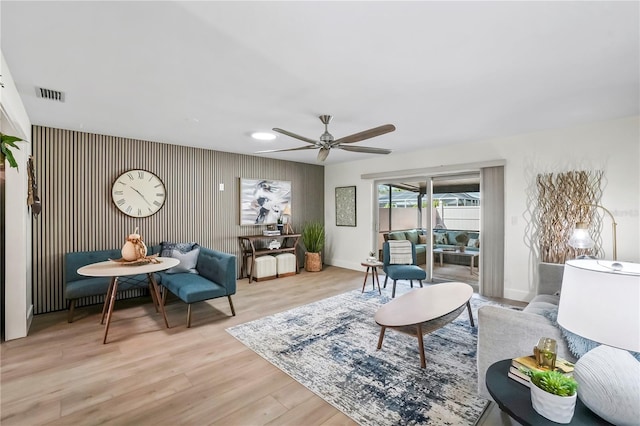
[529,363]
[269,233]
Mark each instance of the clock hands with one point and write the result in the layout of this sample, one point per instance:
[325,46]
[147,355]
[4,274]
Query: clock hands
[140,193]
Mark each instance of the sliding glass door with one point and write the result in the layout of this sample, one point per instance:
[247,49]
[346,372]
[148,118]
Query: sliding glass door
[434,206]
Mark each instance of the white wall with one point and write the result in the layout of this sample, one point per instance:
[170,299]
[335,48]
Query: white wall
[17,301]
[612,146]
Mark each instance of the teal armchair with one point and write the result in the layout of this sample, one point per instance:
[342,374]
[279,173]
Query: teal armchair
[401,272]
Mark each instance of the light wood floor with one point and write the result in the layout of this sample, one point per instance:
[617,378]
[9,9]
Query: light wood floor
[62,374]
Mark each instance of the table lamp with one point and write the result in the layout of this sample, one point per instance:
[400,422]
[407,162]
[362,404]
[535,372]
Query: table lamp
[286,219]
[601,302]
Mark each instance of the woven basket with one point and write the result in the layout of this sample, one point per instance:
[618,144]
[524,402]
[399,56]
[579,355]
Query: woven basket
[313,262]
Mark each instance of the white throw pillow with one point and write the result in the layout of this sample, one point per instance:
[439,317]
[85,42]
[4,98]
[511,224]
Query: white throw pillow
[187,260]
[441,238]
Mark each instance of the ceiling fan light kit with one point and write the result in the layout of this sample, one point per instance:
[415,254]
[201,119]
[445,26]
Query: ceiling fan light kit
[327,141]
[263,136]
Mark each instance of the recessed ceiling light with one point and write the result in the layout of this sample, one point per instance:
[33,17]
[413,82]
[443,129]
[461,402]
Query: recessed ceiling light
[263,136]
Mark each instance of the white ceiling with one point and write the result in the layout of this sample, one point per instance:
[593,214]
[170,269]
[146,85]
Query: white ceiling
[207,74]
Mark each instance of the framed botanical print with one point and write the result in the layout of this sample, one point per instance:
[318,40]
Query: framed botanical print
[346,206]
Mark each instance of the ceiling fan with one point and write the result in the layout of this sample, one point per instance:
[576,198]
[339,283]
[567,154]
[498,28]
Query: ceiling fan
[326,141]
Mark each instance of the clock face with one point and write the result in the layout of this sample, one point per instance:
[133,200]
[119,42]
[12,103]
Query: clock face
[138,193]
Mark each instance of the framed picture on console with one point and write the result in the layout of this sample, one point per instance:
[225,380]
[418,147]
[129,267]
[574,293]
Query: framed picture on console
[263,201]
[346,206]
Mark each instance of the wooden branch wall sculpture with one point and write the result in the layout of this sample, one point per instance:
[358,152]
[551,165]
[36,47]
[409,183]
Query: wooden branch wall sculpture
[561,204]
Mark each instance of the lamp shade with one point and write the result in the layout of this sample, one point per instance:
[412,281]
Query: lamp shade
[580,238]
[601,303]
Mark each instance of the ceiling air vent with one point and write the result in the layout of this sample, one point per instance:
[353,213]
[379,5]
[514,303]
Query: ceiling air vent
[53,95]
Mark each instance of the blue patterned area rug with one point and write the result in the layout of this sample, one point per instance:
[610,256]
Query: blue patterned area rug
[329,346]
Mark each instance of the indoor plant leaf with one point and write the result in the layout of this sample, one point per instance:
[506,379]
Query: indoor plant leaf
[7,141]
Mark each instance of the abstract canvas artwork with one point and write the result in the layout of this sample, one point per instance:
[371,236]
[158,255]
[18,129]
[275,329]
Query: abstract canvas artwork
[263,201]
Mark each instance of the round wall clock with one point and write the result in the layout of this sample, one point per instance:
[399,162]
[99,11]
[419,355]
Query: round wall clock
[138,193]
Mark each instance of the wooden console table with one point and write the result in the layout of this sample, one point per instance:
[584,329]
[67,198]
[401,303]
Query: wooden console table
[288,244]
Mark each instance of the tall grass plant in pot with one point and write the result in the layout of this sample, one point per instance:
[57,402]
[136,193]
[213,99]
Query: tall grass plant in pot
[313,240]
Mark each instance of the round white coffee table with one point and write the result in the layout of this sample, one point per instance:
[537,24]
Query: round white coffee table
[424,310]
[114,270]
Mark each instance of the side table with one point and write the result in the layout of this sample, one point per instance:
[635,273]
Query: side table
[515,399]
[373,267]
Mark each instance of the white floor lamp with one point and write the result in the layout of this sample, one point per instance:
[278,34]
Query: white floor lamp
[601,302]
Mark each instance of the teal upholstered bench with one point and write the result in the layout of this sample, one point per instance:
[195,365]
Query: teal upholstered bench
[216,277]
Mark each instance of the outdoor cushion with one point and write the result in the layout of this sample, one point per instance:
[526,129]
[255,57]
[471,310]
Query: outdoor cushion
[441,238]
[399,235]
[412,236]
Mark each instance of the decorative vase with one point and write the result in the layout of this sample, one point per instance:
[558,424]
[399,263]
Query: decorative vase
[556,408]
[461,249]
[608,381]
[134,248]
[312,262]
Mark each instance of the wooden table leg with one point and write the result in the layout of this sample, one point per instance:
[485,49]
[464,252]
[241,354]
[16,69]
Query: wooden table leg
[470,315]
[366,274]
[112,301]
[156,302]
[154,284]
[423,362]
[375,274]
[107,298]
[381,336]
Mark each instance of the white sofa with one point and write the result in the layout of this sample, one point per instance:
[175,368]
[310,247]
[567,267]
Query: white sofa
[506,333]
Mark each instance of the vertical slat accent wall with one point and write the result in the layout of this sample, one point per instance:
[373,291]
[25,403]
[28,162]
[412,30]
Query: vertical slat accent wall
[75,171]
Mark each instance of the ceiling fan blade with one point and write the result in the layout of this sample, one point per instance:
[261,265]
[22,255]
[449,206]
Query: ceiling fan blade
[293,135]
[288,149]
[366,134]
[323,153]
[367,149]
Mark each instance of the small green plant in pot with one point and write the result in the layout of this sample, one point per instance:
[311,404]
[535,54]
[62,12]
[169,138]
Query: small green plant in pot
[555,382]
[313,240]
[553,395]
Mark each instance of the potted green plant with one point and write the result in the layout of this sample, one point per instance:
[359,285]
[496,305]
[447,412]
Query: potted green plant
[553,395]
[462,239]
[6,144]
[313,240]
